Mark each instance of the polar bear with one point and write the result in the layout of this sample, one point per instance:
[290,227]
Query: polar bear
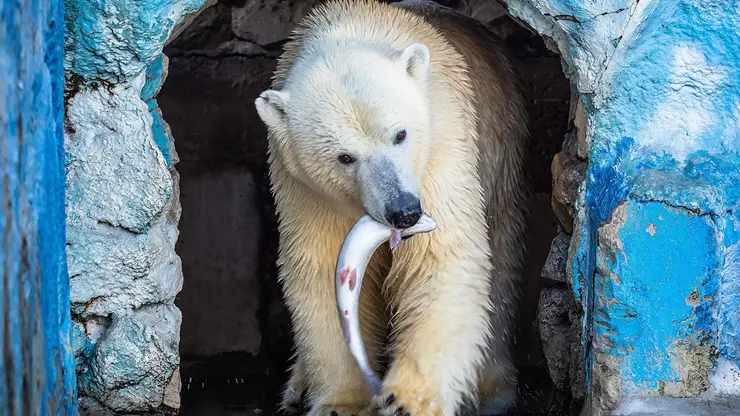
[392,111]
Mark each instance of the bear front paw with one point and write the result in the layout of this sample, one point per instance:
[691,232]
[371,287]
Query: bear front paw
[388,405]
[294,401]
[340,411]
[395,403]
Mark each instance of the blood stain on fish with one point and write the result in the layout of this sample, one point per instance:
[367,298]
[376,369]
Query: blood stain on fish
[343,275]
[352,280]
[345,330]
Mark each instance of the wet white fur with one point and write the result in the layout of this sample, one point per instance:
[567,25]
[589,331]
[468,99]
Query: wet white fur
[353,74]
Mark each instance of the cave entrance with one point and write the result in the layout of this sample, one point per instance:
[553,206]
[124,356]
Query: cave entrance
[235,335]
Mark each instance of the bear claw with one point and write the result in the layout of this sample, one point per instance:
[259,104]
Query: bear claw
[391,406]
[295,406]
[334,410]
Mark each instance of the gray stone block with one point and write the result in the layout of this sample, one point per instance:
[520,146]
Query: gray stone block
[554,268]
[268,21]
[221,231]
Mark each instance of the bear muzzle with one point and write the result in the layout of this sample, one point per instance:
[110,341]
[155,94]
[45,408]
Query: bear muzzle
[404,211]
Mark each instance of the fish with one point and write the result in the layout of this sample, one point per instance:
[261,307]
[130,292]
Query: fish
[358,247]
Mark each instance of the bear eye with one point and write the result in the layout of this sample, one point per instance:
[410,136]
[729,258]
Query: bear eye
[345,159]
[400,137]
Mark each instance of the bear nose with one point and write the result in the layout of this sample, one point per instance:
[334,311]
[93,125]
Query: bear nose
[402,220]
[405,212]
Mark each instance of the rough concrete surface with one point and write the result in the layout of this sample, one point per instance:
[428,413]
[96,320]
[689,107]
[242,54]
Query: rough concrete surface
[120,249]
[660,406]
[114,41]
[131,368]
[568,172]
[122,205]
[657,119]
[554,268]
[554,325]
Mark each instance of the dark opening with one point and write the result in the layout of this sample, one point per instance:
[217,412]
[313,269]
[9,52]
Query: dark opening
[236,340]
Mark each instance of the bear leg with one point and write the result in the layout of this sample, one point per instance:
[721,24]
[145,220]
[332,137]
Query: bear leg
[443,328]
[497,387]
[294,395]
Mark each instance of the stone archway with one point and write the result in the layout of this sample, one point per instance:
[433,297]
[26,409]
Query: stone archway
[649,173]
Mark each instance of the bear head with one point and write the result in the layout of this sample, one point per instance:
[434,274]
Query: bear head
[353,123]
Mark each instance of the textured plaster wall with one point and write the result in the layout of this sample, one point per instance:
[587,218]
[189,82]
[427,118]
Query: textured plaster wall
[122,204]
[646,190]
[36,372]
[654,258]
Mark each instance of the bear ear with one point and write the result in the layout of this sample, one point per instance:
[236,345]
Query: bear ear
[271,108]
[415,60]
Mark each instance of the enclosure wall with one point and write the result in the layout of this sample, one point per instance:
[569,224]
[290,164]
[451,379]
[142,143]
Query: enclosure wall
[650,177]
[655,253]
[36,372]
[122,204]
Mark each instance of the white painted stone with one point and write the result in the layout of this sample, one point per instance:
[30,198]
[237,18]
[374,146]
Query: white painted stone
[678,122]
[138,356]
[120,245]
[110,151]
[122,214]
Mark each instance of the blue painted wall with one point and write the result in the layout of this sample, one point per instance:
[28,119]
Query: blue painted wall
[655,258]
[665,140]
[37,369]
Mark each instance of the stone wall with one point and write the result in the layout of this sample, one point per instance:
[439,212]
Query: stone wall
[645,191]
[651,270]
[558,315]
[122,205]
